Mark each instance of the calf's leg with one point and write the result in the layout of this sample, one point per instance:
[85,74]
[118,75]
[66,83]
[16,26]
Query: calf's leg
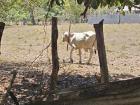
[90,56]
[80,56]
[95,46]
[71,60]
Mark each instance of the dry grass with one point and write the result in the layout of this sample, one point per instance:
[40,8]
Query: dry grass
[24,43]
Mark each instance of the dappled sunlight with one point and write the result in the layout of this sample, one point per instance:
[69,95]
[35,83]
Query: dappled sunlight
[32,84]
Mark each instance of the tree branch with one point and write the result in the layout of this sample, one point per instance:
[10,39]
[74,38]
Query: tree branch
[132,4]
[87,4]
[85,11]
[135,6]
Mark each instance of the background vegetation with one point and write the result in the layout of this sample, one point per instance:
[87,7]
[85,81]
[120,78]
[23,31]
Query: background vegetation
[34,11]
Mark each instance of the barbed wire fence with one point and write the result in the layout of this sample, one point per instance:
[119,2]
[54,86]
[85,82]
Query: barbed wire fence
[27,51]
[44,52]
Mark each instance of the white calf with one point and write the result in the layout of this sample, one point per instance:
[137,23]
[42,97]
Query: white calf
[84,40]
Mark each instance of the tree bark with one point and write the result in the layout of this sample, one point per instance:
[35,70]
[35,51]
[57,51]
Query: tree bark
[101,52]
[32,16]
[2,25]
[55,62]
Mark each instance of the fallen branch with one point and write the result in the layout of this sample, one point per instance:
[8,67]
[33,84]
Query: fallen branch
[14,98]
[123,92]
[9,88]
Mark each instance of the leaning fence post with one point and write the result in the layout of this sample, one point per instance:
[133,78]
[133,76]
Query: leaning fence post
[2,25]
[101,52]
[55,62]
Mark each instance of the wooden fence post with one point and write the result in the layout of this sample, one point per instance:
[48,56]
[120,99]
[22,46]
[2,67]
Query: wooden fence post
[101,52]
[55,62]
[2,25]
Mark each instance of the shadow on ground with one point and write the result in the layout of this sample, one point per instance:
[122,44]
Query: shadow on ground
[32,84]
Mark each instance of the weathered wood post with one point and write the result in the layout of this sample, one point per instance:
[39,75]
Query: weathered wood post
[101,52]
[55,62]
[2,25]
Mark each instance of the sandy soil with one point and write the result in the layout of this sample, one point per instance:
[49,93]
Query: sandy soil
[22,44]
[22,50]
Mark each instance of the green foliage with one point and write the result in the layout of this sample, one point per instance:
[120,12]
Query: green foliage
[5,6]
[137,2]
[17,13]
[102,3]
[95,4]
[18,10]
[79,1]
[56,10]
[72,10]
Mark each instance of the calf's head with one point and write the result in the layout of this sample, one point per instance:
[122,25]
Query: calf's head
[66,36]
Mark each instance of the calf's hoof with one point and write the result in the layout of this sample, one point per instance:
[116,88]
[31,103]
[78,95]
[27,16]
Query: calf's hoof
[80,62]
[88,63]
[71,60]
[95,51]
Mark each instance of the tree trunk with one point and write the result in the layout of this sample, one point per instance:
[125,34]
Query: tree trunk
[55,62]
[24,21]
[101,52]
[32,16]
[2,25]
[119,18]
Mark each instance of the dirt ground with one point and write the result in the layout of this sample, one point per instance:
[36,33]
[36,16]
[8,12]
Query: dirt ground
[23,44]
[24,50]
